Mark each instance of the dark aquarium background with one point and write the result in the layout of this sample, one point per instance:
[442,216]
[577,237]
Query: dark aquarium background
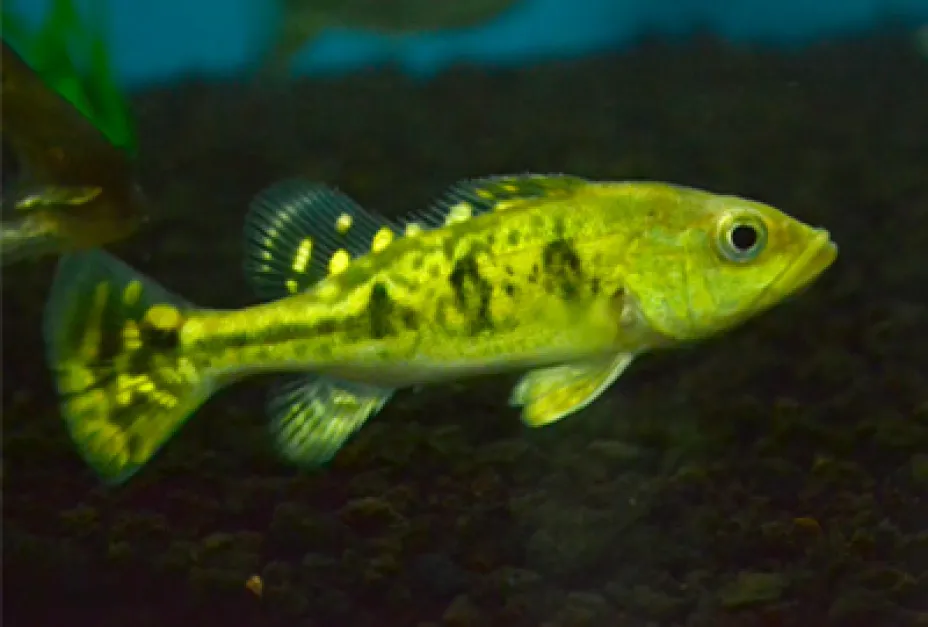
[775,476]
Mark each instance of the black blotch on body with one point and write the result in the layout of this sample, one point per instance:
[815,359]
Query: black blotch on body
[276,334]
[410,319]
[534,273]
[472,293]
[562,268]
[240,339]
[380,309]
[325,326]
[385,317]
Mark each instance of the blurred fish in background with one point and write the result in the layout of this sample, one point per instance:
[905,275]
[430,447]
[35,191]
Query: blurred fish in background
[921,40]
[68,138]
[299,22]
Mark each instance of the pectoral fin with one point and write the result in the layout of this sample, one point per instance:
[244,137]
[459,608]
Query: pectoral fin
[549,394]
[312,417]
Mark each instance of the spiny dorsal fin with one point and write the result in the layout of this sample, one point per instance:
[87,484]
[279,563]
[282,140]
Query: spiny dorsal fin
[298,232]
[471,197]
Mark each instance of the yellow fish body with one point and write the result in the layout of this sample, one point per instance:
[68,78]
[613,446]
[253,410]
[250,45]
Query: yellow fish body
[559,277]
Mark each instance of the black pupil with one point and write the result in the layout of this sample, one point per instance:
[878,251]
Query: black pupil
[743,237]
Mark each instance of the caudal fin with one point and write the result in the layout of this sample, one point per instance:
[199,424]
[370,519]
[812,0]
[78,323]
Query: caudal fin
[113,344]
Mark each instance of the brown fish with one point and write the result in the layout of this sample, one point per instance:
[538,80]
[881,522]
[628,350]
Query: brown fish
[301,21]
[77,189]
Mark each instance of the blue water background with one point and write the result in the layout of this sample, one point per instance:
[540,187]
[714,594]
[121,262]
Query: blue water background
[161,40]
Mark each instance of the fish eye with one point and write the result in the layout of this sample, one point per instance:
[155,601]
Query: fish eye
[742,239]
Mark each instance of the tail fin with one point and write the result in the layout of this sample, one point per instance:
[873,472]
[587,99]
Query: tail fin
[113,343]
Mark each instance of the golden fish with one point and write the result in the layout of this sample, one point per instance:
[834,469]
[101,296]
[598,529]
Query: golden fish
[564,278]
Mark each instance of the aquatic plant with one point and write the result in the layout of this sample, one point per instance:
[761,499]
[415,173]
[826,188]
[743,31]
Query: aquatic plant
[70,53]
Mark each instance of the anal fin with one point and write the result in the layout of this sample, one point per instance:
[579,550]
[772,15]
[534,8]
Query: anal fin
[549,394]
[313,416]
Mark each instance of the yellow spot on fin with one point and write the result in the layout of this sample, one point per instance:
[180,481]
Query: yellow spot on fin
[339,261]
[312,417]
[112,343]
[131,294]
[549,394]
[473,197]
[298,232]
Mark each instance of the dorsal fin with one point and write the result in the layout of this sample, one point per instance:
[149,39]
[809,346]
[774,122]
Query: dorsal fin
[298,232]
[472,197]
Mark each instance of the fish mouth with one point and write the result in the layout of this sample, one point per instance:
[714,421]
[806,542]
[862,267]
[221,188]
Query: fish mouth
[816,258]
